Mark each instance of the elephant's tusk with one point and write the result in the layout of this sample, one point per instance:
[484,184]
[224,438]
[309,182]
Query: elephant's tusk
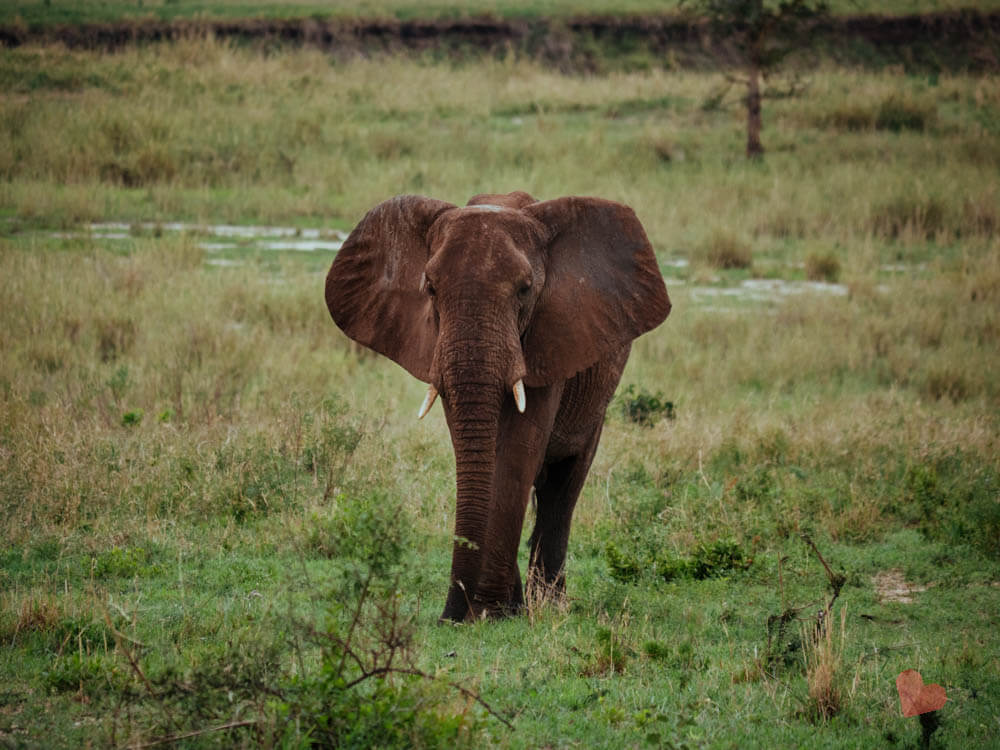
[519,395]
[428,401]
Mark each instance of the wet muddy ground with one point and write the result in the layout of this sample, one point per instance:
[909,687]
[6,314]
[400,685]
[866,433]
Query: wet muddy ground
[228,245]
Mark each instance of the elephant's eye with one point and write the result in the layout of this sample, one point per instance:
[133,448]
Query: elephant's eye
[522,291]
[429,288]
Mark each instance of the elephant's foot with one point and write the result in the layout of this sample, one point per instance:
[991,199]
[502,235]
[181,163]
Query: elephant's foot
[494,607]
[493,610]
[457,606]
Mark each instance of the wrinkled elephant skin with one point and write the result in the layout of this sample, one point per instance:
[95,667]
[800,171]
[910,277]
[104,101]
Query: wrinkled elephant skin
[520,315]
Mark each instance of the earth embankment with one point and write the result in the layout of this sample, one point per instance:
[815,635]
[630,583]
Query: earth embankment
[957,40]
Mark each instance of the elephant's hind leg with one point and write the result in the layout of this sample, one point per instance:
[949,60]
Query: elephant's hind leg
[556,491]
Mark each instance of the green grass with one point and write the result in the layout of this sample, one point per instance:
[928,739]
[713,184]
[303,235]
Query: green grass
[194,463]
[45,12]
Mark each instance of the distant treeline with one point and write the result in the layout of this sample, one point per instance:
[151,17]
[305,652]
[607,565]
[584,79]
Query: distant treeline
[966,40]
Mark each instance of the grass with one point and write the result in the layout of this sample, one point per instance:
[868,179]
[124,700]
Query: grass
[195,467]
[64,11]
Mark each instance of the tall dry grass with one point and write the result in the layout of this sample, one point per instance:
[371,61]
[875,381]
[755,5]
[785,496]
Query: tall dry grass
[300,135]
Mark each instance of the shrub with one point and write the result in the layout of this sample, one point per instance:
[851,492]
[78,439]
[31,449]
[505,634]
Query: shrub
[822,267]
[86,674]
[949,502]
[644,408]
[623,566]
[897,114]
[123,562]
[613,653]
[922,217]
[705,560]
[894,113]
[724,251]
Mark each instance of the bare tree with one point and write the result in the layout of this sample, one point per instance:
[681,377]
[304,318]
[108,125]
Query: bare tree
[756,36]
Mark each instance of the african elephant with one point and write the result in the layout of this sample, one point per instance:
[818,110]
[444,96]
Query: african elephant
[520,315]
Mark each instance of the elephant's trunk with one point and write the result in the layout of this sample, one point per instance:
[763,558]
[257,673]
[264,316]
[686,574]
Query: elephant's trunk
[473,385]
[472,411]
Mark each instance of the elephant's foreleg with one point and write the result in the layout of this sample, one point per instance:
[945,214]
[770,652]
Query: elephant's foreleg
[520,451]
[557,490]
[498,591]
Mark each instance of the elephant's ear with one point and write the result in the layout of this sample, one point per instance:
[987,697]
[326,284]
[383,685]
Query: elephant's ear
[373,289]
[602,287]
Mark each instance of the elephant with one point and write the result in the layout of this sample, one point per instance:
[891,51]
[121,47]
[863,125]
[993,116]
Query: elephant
[520,315]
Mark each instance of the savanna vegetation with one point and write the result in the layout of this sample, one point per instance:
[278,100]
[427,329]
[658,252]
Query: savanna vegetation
[221,524]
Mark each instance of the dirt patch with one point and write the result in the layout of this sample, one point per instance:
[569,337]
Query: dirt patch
[967,40]
[891,586]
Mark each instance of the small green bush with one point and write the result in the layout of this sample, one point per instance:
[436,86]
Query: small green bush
[123,562]
[645,408]
[612,654]
[132,418]
[706,560]
[77,672]
[623,566]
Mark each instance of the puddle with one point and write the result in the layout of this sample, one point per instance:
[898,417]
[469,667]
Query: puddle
[234,231]
[223,237]
[766,290]
[303,245]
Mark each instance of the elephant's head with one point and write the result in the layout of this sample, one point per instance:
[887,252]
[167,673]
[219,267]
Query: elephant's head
[485,301]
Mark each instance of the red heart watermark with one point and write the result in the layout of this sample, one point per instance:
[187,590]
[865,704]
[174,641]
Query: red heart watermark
[915,697]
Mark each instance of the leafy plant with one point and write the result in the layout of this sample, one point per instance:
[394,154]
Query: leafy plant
[88,674]
[613,653]
[706,560]
[624,567]
[123,562]
[645,408]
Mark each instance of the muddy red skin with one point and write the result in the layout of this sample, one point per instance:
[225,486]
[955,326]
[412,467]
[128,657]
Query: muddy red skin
[505,295]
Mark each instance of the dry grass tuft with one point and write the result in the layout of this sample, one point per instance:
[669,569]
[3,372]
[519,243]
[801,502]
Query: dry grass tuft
[724,251]
[822,267]
[36,613]
[543,601]
[823,651]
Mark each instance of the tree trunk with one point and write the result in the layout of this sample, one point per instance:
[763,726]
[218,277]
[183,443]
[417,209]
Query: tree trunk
[755,149]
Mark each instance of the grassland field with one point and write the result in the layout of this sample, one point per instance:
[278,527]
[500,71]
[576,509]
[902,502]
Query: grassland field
[217,514]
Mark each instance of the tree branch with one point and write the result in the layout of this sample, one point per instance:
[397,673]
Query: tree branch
[187,735]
